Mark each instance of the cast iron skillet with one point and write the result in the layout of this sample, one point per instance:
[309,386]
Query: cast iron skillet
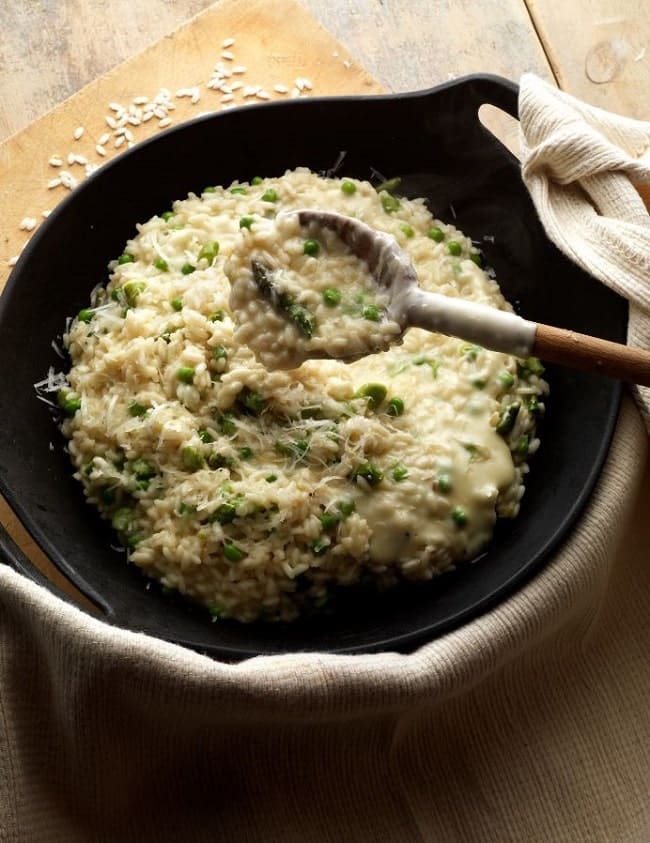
[434,140]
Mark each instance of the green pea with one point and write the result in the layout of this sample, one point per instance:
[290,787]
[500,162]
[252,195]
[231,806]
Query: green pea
[205,436]
[209,189]
[506,379]
[371,312]
[528,367]
[188,269]
[125,258]
[225,513]
[216,612]
[239,190]
[444,484]
[68,401]
[167,215]
[187,509]
[232,552]
[328,520]
[346,507]
[143,469]
[161,264]
[479,383]
[246,222]
[436,234]
[319,546]
[245,453]
[185,374]
[454,248]
[348,187]
[209,251]
[331,297]
[400,472]
[220,352]
[133,539]
[390,203]
[271,478]
[533,406]
[252,401]
[477,259]
[370,473]
[177,304]
[216,316]
[374,392]
[270,195]
[507,419]
[395,407]
[227,424]
[216,461]
[191,458]
[257,180]
[408,230]
[459,516]
[295,449]
[311,247]
[85,315]
[132,290]
[108,495]
[123,519]
[521,446]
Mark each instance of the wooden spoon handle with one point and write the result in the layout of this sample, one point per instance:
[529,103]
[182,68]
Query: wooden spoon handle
[580,351]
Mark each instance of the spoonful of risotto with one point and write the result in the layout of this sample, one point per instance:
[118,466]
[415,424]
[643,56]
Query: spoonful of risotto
[362,294]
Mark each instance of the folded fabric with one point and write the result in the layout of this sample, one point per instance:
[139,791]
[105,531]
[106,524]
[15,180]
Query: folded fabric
[581,165]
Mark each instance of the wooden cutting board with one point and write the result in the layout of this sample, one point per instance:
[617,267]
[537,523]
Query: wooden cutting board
[277,43]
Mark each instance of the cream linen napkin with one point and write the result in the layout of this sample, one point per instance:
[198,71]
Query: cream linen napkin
[529,724]
[580,165]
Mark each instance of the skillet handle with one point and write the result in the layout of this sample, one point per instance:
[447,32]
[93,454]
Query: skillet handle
[497,91]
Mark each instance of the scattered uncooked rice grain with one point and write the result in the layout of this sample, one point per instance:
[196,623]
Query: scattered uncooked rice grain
[28,224]
[78,133]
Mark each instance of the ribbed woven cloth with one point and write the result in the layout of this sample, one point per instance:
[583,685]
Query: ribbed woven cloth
[529,724]
[580,165]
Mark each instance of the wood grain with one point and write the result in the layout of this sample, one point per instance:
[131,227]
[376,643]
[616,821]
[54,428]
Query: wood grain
[599,50]
[49,49]
[592,354]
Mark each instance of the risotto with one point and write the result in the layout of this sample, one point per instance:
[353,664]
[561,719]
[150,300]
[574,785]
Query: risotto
[259,492]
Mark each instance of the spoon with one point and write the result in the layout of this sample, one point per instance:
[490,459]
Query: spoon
[498,330]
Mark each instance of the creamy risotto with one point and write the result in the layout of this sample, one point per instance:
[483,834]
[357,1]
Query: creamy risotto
[256,492]
[296,297]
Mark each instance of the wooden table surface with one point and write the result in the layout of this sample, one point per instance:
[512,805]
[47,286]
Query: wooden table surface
[594,49]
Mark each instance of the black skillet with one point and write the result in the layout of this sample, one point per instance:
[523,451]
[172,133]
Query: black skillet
[434,140]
